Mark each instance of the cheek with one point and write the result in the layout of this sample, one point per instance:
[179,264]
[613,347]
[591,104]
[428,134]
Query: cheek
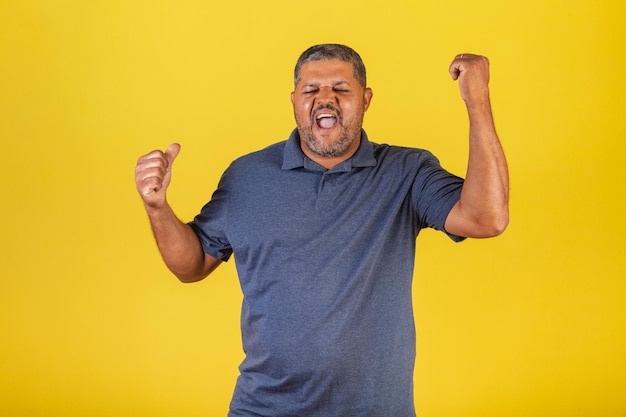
[351,110]
[302,110]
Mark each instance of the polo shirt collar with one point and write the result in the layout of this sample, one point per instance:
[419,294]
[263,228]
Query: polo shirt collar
[293,157]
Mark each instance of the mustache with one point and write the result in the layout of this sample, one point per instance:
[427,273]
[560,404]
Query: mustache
[327,107]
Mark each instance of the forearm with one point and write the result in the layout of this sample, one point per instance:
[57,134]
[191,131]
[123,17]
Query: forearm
[179,245]
[484,198]
[483,208]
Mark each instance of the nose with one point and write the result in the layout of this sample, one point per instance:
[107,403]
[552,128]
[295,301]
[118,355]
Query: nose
[326,95]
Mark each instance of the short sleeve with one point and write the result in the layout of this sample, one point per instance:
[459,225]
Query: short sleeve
[210,223]
[435,191]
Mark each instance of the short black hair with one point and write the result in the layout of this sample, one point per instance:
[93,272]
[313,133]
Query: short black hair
[332,51]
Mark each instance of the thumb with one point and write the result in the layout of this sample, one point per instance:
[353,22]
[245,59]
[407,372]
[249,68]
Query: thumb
[455,70]
[171,153]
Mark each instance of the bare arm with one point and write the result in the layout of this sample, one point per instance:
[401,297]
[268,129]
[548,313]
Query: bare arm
[178,243]
[483,209]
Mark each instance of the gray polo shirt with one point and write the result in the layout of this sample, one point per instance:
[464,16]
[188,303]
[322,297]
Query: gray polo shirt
[325,261]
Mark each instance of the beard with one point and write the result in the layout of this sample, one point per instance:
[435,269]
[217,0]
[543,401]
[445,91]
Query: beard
[328,150]
[350,132]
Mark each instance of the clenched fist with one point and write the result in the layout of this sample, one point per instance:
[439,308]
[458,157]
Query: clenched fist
[153,174]
[472,72]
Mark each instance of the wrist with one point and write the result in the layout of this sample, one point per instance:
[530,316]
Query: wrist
[157,210]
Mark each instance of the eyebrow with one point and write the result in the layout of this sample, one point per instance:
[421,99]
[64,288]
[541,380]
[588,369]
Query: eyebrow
[334,84]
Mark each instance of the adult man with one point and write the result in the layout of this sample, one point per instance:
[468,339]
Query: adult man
[323,229]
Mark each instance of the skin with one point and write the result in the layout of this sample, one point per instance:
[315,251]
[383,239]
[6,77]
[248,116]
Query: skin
[179,245]
[483,209]
[328,88]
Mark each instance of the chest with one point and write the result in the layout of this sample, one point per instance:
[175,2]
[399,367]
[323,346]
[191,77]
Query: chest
[291,207]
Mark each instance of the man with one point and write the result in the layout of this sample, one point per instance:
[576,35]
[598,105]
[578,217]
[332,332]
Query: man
[323,229]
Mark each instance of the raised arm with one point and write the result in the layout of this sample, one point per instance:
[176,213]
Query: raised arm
[178,243]
[483,209]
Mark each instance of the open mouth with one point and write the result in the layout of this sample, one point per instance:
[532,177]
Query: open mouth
[326,120]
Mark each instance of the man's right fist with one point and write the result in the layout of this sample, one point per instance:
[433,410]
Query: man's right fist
[153,174]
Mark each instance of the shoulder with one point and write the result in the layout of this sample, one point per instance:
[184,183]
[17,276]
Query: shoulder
[397,157]
[269,153]
[266,158]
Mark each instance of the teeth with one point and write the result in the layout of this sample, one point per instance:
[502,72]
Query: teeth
[321,116]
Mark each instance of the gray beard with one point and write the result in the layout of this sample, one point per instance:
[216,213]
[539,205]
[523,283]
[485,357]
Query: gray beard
[333,150]
[349,134]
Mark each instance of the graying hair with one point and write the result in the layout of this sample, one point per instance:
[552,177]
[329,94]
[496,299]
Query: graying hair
[332,51]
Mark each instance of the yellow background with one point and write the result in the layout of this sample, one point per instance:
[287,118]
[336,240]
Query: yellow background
[532,323]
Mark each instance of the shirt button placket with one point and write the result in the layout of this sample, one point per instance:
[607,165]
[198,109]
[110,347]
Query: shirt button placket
[325,188]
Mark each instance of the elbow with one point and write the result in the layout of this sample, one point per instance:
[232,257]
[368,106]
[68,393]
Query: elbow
[479,224]
[188,276]
[203,269]
[188,279]
[499,227]
[495,226]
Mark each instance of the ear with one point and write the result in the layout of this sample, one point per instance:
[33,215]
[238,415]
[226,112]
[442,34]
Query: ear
[367,98]
[293,98]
